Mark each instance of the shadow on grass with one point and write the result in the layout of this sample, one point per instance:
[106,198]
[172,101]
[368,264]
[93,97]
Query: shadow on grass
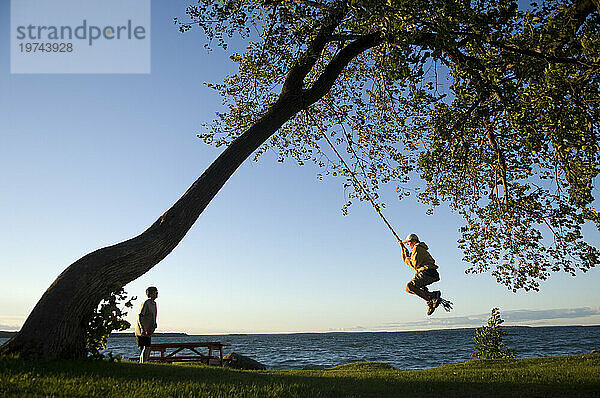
[475,378]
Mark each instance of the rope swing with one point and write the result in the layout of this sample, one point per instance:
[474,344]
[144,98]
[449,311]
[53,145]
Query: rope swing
[446,304]
[364,191]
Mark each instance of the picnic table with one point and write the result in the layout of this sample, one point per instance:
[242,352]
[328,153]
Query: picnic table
[171,356]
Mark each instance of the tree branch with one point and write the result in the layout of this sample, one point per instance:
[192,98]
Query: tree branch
[344,37]
[314,4]
[324,83]
[536,54]
[573,18]
[500,158]
[295,78]
[310,3]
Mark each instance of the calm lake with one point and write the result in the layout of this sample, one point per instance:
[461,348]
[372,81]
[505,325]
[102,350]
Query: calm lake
[403,350]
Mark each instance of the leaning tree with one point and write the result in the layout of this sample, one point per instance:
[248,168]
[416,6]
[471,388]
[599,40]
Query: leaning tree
[482,105]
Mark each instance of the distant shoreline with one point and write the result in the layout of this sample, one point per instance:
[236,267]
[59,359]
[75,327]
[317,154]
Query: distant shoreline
[9,334]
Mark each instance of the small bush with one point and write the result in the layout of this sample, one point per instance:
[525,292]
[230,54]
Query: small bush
[108,317]
[488,339]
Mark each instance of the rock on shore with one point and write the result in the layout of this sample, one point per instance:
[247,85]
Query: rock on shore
[238,361]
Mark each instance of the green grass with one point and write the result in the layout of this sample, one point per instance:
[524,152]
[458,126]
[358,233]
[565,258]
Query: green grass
[537,377]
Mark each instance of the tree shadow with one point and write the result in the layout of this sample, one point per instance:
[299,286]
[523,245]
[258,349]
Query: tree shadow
[133,379]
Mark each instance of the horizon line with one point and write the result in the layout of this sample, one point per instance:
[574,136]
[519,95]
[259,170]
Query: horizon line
[126,332]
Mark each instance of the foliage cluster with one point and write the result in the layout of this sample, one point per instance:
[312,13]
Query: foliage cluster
[108,317]
[488,339]
[488,107]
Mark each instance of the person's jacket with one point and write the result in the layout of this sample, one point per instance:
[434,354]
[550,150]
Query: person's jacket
[419,258]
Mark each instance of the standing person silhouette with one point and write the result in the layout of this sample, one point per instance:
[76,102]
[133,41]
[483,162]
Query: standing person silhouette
[421,261]
[146,323]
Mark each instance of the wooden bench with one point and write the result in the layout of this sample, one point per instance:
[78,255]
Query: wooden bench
[196,355]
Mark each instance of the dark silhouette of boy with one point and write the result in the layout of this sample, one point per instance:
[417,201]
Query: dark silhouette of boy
[146,323]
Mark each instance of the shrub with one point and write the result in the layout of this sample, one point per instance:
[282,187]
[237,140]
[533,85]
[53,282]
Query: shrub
[108,317]
[488,339]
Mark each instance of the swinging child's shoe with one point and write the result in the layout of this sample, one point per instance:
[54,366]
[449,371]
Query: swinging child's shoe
[434,302]
[430,307]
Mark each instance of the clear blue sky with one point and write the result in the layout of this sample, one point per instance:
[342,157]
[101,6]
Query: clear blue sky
[90,160]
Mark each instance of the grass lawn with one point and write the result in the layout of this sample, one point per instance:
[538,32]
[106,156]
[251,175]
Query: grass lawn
[537,377]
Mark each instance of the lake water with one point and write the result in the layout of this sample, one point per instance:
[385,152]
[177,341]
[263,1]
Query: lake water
[403,350]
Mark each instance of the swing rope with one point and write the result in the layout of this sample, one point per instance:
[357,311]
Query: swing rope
[364,191]
[446,304]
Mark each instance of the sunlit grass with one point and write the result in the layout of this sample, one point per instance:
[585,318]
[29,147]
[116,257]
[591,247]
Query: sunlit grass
[552,376]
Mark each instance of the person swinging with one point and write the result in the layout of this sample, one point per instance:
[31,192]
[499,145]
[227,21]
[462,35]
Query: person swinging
[421,261]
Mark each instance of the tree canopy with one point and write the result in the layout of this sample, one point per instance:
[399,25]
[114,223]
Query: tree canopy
[484,105]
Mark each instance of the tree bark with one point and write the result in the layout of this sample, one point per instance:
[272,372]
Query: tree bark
[56,326]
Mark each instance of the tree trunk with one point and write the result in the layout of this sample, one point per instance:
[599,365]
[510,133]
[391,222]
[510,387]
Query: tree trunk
[55,327]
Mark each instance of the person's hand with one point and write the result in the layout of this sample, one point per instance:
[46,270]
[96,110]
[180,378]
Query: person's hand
[404,250]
